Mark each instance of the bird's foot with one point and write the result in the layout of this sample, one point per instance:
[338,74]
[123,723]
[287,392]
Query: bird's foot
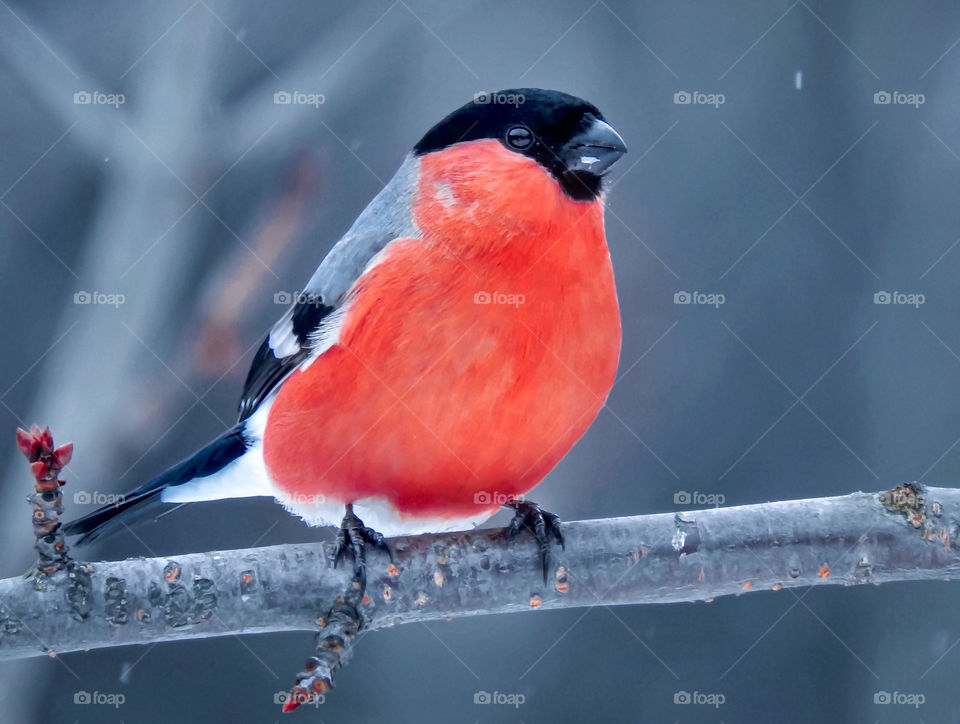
[353,536]
[541,523]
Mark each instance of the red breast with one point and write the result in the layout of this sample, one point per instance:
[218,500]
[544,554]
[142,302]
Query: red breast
[470,359]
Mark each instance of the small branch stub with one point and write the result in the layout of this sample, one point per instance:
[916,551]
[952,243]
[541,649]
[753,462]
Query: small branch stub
[334,642]
[46,462]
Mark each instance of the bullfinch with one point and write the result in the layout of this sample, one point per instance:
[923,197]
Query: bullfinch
[449,350]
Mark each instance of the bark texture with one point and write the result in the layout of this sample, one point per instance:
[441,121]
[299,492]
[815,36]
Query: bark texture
[899,535]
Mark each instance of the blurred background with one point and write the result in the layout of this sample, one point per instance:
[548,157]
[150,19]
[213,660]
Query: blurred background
[799,161]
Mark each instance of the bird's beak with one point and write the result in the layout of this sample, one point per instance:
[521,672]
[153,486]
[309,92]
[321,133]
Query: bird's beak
[594,150]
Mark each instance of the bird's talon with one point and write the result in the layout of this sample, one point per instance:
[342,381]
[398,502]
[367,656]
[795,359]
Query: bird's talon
[553,525]
[353,535]
[541,523]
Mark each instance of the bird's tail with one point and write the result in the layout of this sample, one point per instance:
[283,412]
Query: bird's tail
[145,500]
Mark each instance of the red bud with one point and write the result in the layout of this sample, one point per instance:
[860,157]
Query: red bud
[297,695]
[27,444]
[63,454]
[24,442]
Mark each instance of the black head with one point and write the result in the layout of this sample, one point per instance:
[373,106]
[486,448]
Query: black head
[563,133]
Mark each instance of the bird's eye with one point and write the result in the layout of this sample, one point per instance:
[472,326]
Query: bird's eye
[520,138]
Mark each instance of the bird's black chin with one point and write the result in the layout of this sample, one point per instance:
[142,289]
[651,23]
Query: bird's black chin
[581,185]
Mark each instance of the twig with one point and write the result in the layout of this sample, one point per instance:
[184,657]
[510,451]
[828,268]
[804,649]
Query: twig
[46,462]
[339,629]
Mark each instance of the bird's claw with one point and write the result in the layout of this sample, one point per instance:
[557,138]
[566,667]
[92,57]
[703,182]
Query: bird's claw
[541,523]
[352,536]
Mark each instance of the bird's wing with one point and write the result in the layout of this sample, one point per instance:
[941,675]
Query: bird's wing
[283,350]
[300,332]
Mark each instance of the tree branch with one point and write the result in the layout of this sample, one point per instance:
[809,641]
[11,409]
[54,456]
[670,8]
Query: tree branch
[64,605]
[901,535]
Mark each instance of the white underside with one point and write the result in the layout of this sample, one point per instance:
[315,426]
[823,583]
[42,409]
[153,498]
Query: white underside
[247,476]
[375,512]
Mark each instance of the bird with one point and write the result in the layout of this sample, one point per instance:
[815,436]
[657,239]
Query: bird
[447,353]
